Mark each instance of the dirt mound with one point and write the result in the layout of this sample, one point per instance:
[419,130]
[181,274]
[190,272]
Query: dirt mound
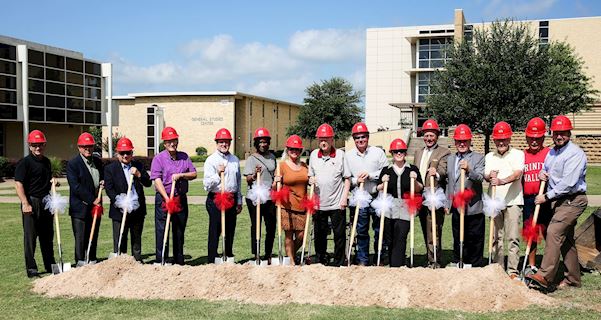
[478,289]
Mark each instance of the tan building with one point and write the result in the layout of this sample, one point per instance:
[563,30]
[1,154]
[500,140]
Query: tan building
[400,61]
[197,116]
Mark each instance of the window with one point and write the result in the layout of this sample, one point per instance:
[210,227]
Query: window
[92,117]
[8,82]
[92,68]
[36,72]
[55,88]
[36,86]
[55,115]
[36,114]
[74,64]
[55,61]
[432,53]
[75,116]
[55,101]
[423,86]
[75,78]
[8,112]
[8,96]
[35,57]
[93,105]
[75,91]
[36,99]
[8,52]
[150,130]
[73,103]
[8,67]
[55,75]
[543,32]
[468,32]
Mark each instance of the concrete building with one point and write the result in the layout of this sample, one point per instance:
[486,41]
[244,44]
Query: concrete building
[55,90]
[400,61]
[197,116]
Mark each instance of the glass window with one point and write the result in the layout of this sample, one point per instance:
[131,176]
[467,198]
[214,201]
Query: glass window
[36,114]
[8,111]
[151,152]
[75,91]
[55,75]
[55,88]
[8,52]
[150,119]
[75,116]
[74,103]
[92,117]
[92,68]
[150,110]
[436,63]
[543,23]
[55,61]
[54,101]
[93,81]
[8,67]
[7,96]
[423,55]
[55,115]
[543,33]
[36,86]
[424,64]
[36,72]
[92,93]
[35,57]
[74,64]
[150,141]
[8,82]
[93,105]
[75,78]
[150,132]
[36,99]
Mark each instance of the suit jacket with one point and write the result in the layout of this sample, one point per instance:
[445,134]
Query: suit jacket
[473,180]
[82,192]
[115,183]
[438,153]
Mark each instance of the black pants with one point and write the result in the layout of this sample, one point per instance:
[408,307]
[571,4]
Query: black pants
[268,215]
[320,220]
[81,233]
[215,228]
[134,224]
[36,225]
[395,233]
[178,228]
[425,219]
[473,242]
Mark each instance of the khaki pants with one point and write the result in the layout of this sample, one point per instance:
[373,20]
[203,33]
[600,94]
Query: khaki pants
[507,227]
[425,217]
[560,239]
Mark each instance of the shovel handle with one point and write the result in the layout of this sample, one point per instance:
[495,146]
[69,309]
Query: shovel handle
[307,220]
[541,190]
[462,208]
[354,228]
[491,227]
[433,216]
[381,233]
[167,223]
[412,216]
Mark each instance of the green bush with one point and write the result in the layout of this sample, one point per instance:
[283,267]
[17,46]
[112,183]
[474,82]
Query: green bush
[199,158]
[201,151]
[3,166]
[56,166]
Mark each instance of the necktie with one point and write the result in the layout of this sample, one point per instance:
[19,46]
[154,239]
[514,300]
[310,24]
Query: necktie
[423,166]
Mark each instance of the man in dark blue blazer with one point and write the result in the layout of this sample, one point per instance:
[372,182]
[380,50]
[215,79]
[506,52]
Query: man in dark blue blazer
[116,179]
[85,175]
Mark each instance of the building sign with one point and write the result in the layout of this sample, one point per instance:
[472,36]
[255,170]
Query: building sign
[207,121]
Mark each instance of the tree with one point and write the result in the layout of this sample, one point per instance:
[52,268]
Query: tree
[332,101]
[505,74]
[105,143]
[96,132]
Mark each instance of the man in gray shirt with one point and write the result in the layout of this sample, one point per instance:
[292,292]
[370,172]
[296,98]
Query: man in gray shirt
[327,169]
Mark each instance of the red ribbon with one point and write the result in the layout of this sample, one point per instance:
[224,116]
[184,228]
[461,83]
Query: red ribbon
[281,197]
[310,204]
[532,232]
[172,206]
[413,203]
[97,210]
[224,201]
[460,199]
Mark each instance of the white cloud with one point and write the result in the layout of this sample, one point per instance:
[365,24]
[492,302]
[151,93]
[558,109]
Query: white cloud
[328,45]
[517,8]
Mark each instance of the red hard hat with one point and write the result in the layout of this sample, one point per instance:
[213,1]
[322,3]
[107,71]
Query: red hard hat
[502,130]
[536,128]
[397,144]
[85,139]
[169,133]
[124,144]
[36,136]
[294,141]
[431,124]
[261,133]
[360,127]
[561,123]
[324,131]
[462,132]
[223,134]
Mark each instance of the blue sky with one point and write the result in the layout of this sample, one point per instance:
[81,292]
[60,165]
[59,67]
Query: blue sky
[270,48]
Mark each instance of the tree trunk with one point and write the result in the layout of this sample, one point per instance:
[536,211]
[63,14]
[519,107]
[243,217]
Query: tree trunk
[486,143]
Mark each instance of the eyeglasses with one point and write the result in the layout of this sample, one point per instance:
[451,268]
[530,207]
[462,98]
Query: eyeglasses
[295,149]
[398,151]
[174,141]
[37,145]
[359,137]
[125,153]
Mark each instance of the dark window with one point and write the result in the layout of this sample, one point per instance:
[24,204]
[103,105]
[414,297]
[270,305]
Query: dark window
[36,99]
[93,81]
[55,75]
[93,105]
[263,110]
[35,57]
[8,96]
[150,110]
[36,86]
[92,117]
[150,119]
[424,31]
[150,141]
[55,61]
[8,67]
[75,116]
[151,152]
[75,78]
[74,103]
[543,24]
[92,93]
[75,91]
[55,102]
[55,115]
[8,82]
[55,88]
[74,64]
[36,114]
[544,33]
[150,132]
[92,68]
[8,52]
[36,72]
[8,112]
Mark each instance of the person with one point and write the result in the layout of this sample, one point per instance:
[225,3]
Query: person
[503,169]
[261,164]
[222,161]
[565,171]
[398,175]
[534,158]
[473,164]
[365,163]
[33,176]
[171,167]
[432,162]
[294,174]
[117,176]
[326,167]
[85,175]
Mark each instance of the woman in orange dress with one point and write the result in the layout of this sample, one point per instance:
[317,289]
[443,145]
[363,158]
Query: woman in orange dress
[294,175]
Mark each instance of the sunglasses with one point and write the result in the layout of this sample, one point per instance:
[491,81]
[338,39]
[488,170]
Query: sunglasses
[126,153]
[295,149]
[359,137]
[398,151]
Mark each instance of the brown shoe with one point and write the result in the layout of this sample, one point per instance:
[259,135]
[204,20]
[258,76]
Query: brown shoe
[564,284]
[538,279]
[513,276]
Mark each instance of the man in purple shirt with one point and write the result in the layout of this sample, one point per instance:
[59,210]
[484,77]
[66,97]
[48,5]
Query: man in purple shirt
[168,167]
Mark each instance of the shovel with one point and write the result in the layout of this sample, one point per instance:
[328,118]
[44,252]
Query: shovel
[258,260]
[114,254]
[434,164]
[353,230]
[541,190]
[281,260]
[224,258]
[307,223]
[94,217]
[61,266]
[491,228]
[381,233]
[462,225]
[412,223]
[167,223]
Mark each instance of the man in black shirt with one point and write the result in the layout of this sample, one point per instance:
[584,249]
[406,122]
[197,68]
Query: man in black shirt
[32,181]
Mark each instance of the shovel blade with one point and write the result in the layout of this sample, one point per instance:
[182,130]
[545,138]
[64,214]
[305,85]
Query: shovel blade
[58,268]
[113,254]
[226,260]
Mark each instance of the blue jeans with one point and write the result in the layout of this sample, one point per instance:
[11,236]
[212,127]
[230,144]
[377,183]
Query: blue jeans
[363,234]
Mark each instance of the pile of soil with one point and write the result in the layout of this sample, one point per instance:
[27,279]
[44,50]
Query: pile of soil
[478,289]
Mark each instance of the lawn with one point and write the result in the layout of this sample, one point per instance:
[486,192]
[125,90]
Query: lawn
[17,302]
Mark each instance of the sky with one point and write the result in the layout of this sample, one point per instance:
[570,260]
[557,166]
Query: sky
[267,48]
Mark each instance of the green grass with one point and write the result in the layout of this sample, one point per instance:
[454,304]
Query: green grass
[17,301]
[593,180]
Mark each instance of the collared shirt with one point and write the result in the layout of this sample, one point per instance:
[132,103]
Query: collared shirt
[126,171]
[566,167]
[330,172]
[164,167]
[506,163]
[92,169]
[267,163]
[371,161]
[423,165]
[233,178]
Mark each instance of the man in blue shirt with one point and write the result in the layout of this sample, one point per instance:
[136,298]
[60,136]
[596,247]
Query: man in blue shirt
[565,171]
